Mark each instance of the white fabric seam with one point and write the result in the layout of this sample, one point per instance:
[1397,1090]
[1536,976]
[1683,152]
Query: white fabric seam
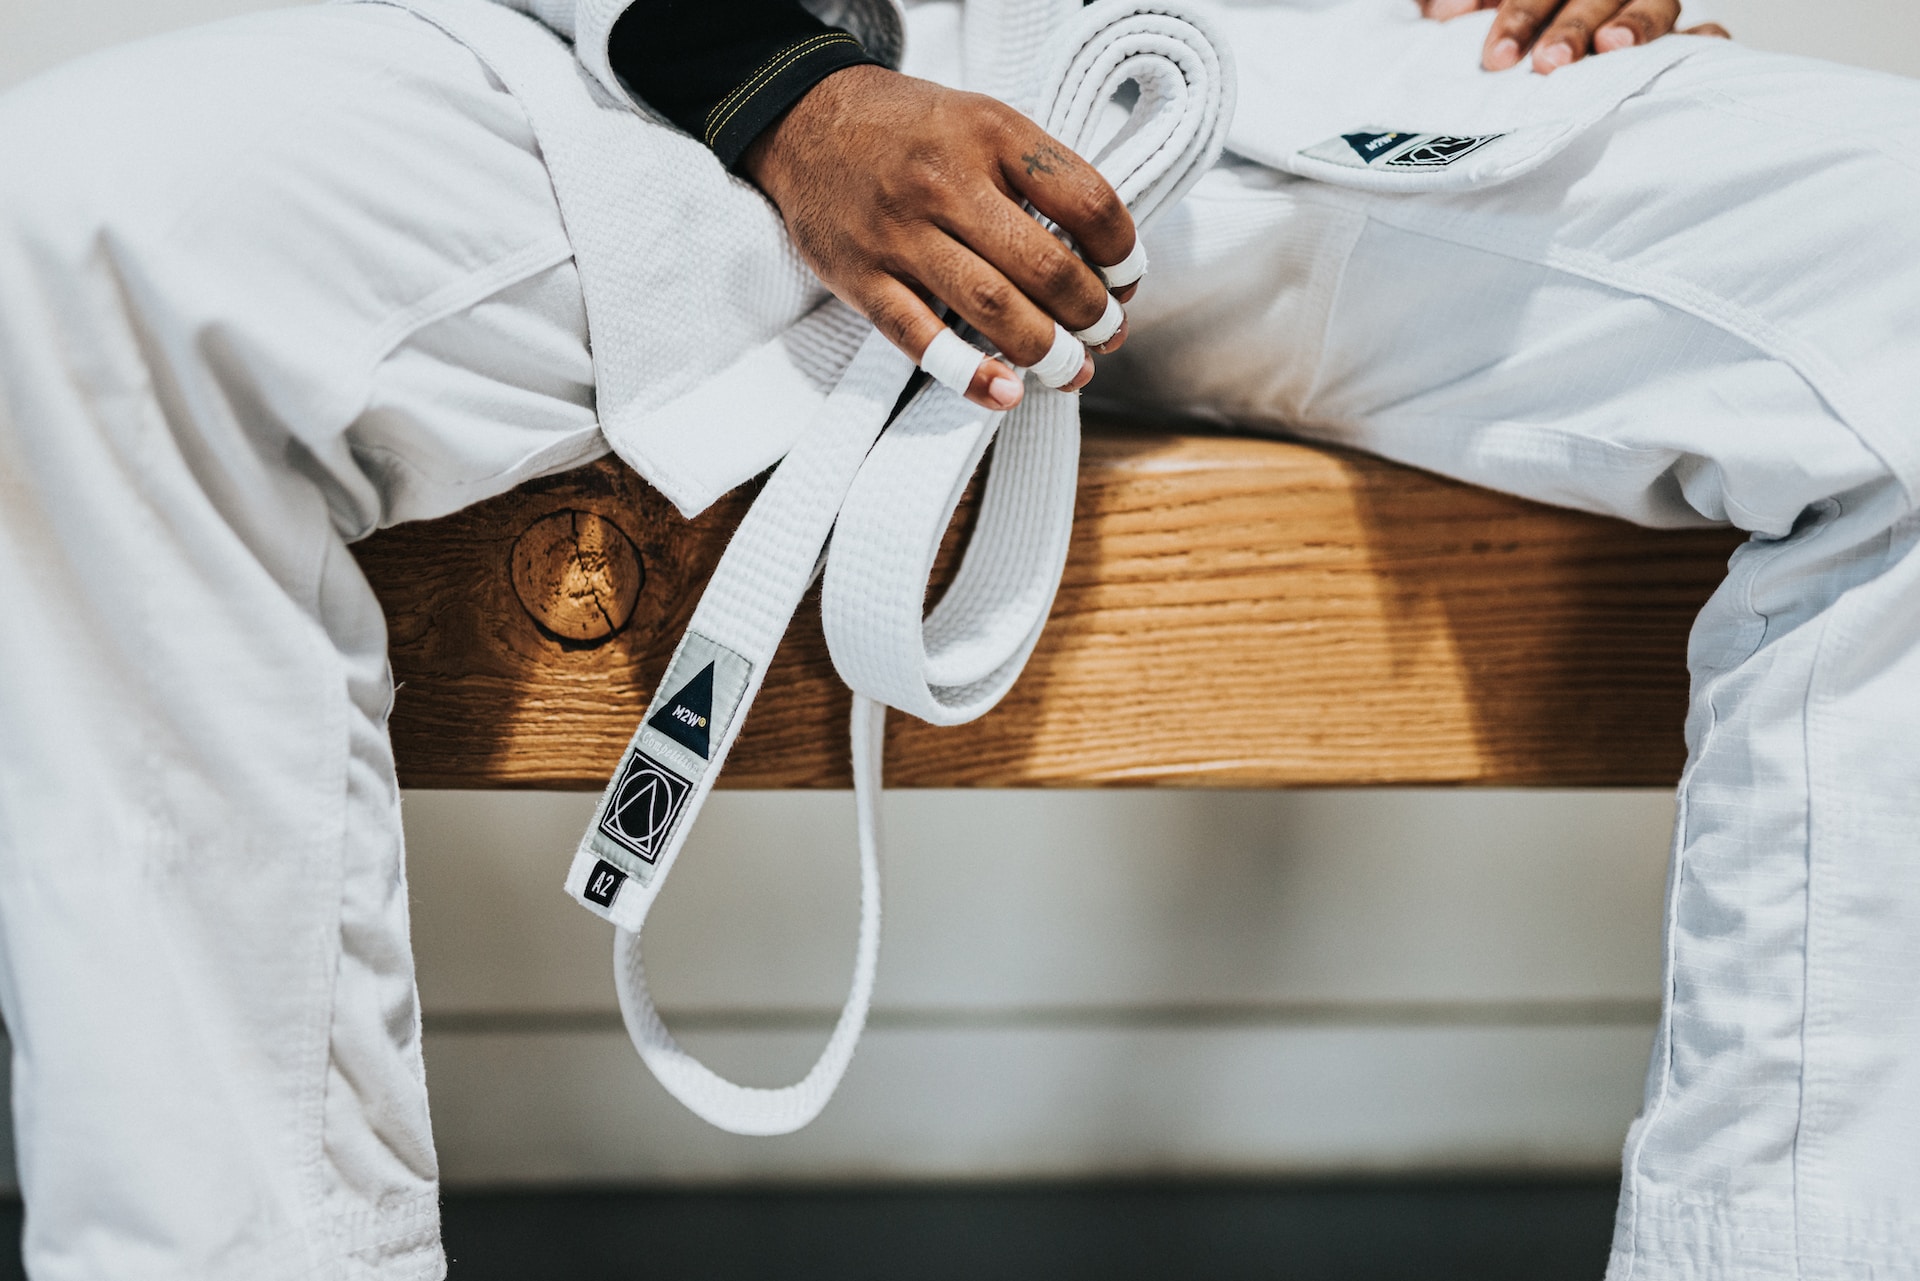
[468,291]
[1759,115]
[1807,363]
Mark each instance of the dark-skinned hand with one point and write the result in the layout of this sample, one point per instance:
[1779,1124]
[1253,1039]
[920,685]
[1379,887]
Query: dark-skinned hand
[1561,32]
[902,194]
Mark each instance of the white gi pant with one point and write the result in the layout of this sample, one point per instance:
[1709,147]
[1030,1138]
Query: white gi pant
[263,286]
[227,351]
[1707,310]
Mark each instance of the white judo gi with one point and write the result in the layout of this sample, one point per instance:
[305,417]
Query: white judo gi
[268,285]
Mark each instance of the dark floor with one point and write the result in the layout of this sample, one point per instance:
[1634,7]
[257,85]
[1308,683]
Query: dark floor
[1348,1232]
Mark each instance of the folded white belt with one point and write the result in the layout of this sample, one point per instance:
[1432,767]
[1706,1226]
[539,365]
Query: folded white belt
[886,493]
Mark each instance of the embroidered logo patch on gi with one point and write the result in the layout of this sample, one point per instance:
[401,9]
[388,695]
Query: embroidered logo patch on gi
[687,716]
[1438,151]
[1371,146]
[1399,149]
[646,801]
[603,882]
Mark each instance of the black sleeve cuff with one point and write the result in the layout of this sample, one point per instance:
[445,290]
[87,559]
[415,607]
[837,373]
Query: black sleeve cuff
[740,117]
[724,70]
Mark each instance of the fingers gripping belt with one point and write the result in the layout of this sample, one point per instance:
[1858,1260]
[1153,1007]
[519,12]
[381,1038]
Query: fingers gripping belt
[1062,361]
[1109,323]
[886,493]
[1128,270]
[953,361]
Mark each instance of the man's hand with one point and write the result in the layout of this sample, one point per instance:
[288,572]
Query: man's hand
[899,193]
[1564,31]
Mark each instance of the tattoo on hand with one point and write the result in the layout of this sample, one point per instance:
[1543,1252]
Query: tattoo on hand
[1038,161]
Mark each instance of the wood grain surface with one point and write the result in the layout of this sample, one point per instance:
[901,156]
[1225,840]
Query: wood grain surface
[1236,612]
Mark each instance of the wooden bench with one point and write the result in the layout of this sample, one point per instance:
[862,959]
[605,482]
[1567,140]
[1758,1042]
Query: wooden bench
[1236,612]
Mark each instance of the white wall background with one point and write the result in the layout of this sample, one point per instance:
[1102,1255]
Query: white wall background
[1073,983]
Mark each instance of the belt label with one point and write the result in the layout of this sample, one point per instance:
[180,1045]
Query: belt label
[646,807]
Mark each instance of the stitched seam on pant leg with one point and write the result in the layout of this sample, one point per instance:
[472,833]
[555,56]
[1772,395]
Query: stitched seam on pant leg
[1888,559]
[457,295]
[1590,450]
[314,1232]
[1758,562]
[1357,231]
[450,299]
[575,449]
[469,290]
[1806,928]
[1830,511]
[1755,113]
[1630,1160]
[558,453]
[1806,939]
[1809,364]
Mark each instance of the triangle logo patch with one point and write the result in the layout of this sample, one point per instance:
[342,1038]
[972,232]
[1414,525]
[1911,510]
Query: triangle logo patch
[687,716]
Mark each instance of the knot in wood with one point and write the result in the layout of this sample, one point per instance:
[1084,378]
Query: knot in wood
[578,575]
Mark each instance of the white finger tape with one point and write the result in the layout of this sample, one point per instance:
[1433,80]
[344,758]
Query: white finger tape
[1062,361]
[952,360]
[1129,269]
[1104,328]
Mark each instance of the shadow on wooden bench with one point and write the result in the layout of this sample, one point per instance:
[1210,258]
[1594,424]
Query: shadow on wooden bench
[1236,612]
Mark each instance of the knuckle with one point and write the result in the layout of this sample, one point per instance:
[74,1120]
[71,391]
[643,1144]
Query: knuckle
[928,183]
[1000,128]
[897,330]
[890,215]
[1643,25]
[991,111]
[1059,273]
[1013,129]
[891,319]
[1573,27]
[1026,350]
[1094,206]
[899,200]
[927,178]
[991,301]
[1091,202]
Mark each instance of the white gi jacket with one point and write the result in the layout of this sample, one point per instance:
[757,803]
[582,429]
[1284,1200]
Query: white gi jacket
[703,401]
[1705,309]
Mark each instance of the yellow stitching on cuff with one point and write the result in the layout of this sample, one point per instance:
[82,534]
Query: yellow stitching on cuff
[744,94]
[799,46]
[752,85]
